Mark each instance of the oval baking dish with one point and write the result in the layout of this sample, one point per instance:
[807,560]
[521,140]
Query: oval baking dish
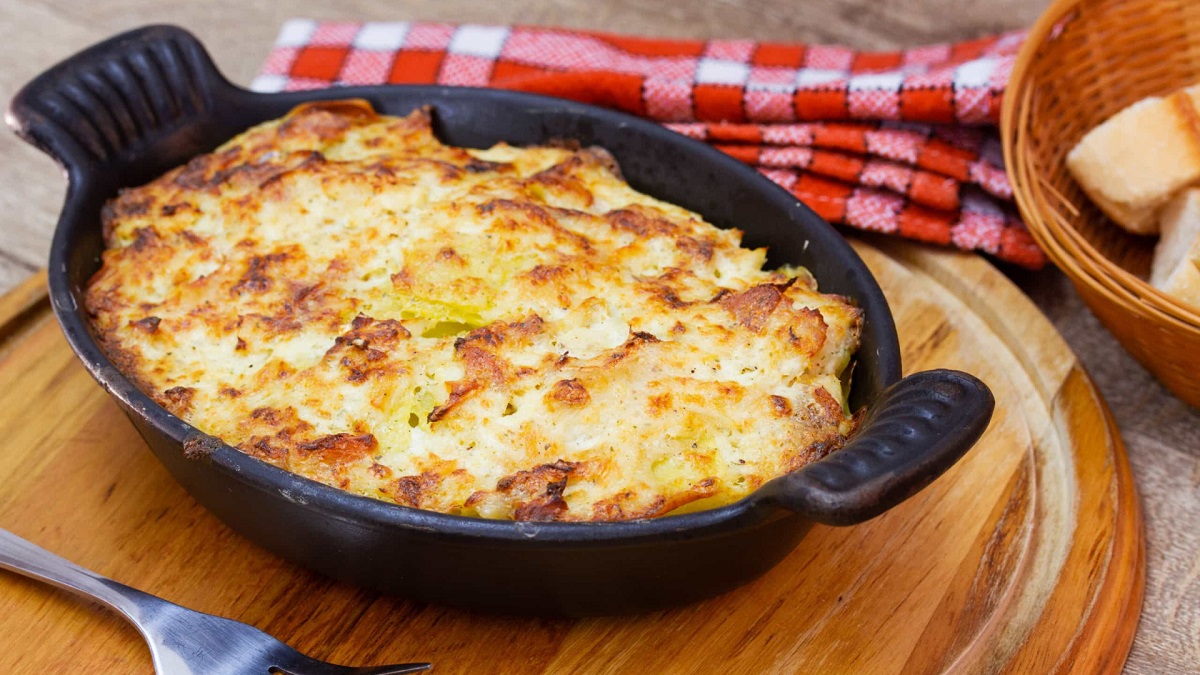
[122,112]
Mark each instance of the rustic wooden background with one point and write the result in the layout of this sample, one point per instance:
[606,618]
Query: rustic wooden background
[1162,434]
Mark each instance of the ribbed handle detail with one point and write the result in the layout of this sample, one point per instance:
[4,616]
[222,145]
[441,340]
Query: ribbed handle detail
[106,103]
[916,430]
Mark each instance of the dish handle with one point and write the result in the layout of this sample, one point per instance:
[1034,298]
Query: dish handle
[915,430]
[144,90]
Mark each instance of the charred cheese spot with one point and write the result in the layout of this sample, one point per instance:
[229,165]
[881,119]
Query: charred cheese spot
[178,400]
[753,307]
[569,393]
[337,448]
[537,494]
[412,490]
[505,333]
[148,324]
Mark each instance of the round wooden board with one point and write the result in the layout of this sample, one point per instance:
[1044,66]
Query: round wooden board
[1026,557]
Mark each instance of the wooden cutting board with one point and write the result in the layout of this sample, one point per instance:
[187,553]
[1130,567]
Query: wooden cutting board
[1027,557]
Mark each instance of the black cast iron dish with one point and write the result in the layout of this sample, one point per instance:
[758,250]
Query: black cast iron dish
[126,110]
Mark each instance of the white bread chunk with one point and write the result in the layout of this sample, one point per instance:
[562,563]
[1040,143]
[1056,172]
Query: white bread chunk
[1133,163]
[1176,268]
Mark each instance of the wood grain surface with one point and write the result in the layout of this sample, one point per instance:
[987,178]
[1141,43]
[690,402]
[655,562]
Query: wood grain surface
[1025,557]
[1162,435]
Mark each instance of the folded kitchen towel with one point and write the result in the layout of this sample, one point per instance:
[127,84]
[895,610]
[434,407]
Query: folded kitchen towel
[896,142]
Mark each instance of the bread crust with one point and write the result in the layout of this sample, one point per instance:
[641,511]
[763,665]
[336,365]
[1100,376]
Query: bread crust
[1176,266]
[1138,159]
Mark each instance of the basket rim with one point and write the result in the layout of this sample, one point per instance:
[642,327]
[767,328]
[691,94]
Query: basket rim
[1120,296]
[1079,269]
[1102,268]
[1065,246]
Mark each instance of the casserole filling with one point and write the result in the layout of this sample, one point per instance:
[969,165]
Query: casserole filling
[505,333]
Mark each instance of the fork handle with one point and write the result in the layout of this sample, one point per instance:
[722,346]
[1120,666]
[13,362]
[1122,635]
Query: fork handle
[21,556]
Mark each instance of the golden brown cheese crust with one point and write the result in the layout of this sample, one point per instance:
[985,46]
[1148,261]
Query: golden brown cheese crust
[508,333]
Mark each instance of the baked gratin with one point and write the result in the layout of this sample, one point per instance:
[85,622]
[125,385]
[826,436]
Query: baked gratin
[506,333]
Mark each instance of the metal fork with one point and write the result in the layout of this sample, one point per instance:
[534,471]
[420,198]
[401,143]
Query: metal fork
[182,641]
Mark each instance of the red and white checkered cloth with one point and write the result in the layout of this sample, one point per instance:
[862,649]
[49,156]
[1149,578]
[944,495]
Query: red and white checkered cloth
[898,142]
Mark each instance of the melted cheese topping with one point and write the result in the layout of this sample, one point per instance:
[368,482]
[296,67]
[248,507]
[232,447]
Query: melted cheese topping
[507,333]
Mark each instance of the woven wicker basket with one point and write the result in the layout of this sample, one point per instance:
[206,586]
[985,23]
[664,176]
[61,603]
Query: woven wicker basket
[1082,62]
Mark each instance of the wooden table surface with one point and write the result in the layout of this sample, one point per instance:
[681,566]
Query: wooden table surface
[1161,433]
